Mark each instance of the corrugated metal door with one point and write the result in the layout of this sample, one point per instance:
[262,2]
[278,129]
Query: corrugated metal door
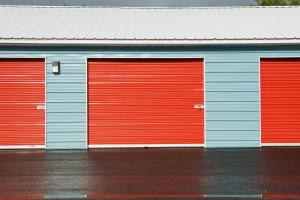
[145,101]
[280,100]
[22,90]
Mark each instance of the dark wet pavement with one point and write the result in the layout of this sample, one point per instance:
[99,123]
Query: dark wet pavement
[272,173]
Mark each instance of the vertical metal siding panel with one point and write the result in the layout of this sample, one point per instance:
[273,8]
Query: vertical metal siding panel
[66,96]
[232,87]
[145,101]
[280,100]
[22,89]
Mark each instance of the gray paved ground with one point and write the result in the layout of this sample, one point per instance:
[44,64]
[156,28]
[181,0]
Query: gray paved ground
[151,174]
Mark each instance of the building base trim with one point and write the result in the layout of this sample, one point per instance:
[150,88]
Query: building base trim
[280,144]
[23,147]
[144,145]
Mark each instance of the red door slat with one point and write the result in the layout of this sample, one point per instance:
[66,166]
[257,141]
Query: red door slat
[145,101]
[22,89]
[280,100]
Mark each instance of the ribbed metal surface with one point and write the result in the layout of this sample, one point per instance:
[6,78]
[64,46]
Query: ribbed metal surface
[280,100]
[154,24]
[232,100]
[236,101]
[22,89]
[66,102]
[145,101]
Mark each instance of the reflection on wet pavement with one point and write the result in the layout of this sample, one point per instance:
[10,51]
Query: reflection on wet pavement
[151,174]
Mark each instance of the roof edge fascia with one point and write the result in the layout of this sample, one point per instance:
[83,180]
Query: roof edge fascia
[126,7]
[14,42]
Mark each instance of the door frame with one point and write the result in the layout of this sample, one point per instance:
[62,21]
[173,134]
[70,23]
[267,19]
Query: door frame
[145,56]
[45,102]
[271,144]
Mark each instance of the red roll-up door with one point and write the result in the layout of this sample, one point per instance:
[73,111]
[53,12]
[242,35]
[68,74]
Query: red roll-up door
[22,92]
[280,100]
[145,101]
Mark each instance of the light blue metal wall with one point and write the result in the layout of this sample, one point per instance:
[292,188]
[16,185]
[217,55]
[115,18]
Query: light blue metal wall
[232,89]
[232,100]
[66,102]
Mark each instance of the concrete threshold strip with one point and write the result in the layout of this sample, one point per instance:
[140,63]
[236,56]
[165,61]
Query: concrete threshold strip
[158,196]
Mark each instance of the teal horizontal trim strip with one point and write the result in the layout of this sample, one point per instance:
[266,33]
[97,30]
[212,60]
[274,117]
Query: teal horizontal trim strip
[70,71]
[70,126]
[227,68]
[71,131]
[66,107]
[231,77]
[61,112]
[232,62]
[66,97]
[234,116]
[62,63]
[68,141]
[232,196]
[235,72]
[66,145]
[240,111]
[232,106]
[231,97]
[79,59]
[67,82]
[74,64]
[69,196]
[66,87]
[232,125]
[65,76]
[233,120]
[62,103]
[67,136]
[71,92]
[233,91]
[233,140]
[228,131]
[232,144]
[66,121]
[211,81]
[231,101]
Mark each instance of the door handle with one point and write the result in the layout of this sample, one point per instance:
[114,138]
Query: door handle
[41,107]
[199,106]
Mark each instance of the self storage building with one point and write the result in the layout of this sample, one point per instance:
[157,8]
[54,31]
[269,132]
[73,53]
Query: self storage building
[92,77]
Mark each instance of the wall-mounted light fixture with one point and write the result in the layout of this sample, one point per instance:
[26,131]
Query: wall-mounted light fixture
[56,67]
